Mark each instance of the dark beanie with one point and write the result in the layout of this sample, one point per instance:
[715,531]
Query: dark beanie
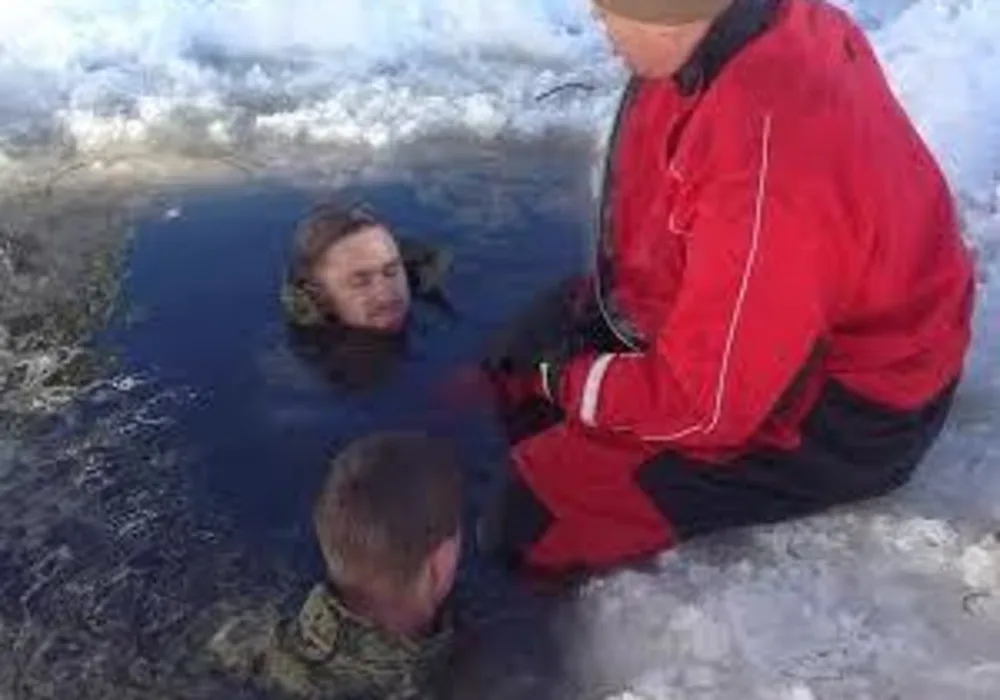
[664,11]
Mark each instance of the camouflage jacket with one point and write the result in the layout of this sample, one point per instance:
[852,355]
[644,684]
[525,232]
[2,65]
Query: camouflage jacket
[329,653]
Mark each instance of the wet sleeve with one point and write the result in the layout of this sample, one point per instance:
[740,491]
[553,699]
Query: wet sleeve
[749,313]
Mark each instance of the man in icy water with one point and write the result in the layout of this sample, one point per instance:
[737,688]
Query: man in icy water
[388,524]
[349,290]
[781,305]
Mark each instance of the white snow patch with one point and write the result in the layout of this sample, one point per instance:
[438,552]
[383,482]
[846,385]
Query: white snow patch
[85,75]
[980,565]
[944,60]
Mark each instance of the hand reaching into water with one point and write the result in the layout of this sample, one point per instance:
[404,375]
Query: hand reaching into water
[475,386]
[467,387]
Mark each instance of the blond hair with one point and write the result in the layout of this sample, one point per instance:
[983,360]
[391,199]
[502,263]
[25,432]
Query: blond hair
[389,501]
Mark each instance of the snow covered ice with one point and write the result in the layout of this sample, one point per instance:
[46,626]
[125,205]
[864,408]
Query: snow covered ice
[93,73]
[895,599]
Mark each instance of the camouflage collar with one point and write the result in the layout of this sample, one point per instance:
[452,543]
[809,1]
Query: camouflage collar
[343,650]
[325,621]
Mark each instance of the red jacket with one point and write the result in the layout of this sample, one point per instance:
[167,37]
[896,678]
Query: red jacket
[769,228]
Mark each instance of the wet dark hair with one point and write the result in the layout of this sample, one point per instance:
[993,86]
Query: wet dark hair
[352,358]
[326,225]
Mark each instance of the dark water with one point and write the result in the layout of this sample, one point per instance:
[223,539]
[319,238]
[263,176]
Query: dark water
[200,314]
[204,287]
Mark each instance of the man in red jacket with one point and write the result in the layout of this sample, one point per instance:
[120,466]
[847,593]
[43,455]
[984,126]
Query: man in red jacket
[781,305]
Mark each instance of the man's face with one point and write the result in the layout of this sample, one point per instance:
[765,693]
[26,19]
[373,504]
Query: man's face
[364,280]
[651,50]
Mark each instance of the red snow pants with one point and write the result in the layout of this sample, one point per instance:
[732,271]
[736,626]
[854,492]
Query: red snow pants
[579,500]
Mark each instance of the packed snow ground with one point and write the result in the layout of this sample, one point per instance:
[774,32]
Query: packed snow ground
[88,74]
[897,599]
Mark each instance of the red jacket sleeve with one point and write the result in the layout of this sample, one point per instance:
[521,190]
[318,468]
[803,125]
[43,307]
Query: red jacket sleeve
[749,312]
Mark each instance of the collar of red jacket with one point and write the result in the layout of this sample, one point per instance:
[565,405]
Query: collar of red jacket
[736,27]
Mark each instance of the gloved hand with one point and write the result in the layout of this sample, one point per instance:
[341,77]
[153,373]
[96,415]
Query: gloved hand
[551,331]
[466,387]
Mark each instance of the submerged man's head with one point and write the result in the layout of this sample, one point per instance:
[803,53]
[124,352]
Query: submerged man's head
[388,522]
[349,267]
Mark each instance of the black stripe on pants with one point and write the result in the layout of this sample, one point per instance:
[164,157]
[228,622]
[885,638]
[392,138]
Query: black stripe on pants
[851,450]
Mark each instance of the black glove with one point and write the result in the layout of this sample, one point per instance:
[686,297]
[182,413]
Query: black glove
[550,331]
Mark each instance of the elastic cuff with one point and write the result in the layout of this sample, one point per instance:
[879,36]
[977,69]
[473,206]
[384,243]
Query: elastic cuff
[550,381]
[546,379]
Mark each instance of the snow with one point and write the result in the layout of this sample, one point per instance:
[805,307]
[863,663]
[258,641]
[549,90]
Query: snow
[943,59]
[81,77]
[896,599]
[109,71]
[84,76]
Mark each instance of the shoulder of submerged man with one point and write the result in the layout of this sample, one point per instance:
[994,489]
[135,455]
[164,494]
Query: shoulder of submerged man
[427,264]
[328,647]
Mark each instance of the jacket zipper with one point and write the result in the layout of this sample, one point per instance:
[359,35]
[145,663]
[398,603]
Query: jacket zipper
[603,233]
